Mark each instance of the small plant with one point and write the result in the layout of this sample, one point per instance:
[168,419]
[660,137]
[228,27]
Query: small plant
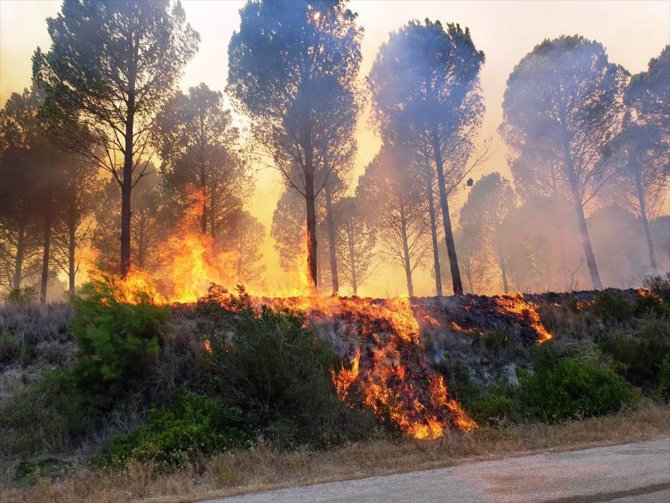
[612,305]
[116,342]
[496,341]
[498,404]
[641,352]
[566,388]
[662,391]
[193,427]
[278,373]
[22,297]
[46,415]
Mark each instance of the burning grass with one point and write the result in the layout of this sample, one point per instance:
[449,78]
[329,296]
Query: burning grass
[263,467]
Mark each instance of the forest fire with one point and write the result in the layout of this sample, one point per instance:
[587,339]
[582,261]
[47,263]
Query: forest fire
[387,368]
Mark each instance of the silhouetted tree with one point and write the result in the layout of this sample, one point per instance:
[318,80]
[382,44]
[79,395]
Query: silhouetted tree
[649,94]
[392,194]
[293,68]
[288,224]
[198,146]
[245,234]
[111,65]
[356,242]
[564,104]
[539,257]
[488,204]
[616,228]
[27,148]
[18,191]
[642,180]
[643,147]
[78,196]
[148,226]
[425,85]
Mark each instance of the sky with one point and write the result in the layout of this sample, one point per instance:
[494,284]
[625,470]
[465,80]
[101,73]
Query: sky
[632,32]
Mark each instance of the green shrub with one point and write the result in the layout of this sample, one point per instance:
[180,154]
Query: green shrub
[460,386]
[612,305]
[662,391]
[46,415]
[565,388]
[173,437]
[278,373]
[497,341]
[498,404]
[116,342]
[641,352]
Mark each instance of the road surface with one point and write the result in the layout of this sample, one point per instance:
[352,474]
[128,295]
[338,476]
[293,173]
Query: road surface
[638,472]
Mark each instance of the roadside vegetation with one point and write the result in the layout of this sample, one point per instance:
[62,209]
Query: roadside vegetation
[222,395]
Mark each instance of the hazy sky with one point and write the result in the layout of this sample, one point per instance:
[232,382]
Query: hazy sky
[631,31]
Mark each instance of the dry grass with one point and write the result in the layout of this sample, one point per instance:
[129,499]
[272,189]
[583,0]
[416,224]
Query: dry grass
[262,468]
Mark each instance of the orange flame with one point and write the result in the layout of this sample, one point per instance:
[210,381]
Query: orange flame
[388,365]
[520,307]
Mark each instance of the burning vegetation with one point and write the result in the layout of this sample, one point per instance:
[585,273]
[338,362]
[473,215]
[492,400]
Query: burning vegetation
[385,364]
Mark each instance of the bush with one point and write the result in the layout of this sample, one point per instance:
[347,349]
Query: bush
[566,388]
[46,415]
[497,405]
[662,391]
[278,373]
[659,286]
[116,342]
[173,437]
[641,352]
[612,305]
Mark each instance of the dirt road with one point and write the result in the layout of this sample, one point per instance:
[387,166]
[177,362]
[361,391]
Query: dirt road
[628,473]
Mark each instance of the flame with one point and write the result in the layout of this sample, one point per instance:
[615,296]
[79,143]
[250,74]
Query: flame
[388,365]
[388,371]
[191,261]
[520,307]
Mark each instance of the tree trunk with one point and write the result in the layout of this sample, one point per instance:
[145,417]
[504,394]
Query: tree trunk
[586,240]
[310,201]
[127,187]
[46,243]
[446,219]
[433,231]
[203,191]
[503,268]
[72,246]
[406,258]
[331,240]
[645,222]
[352,261]
[20,252]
